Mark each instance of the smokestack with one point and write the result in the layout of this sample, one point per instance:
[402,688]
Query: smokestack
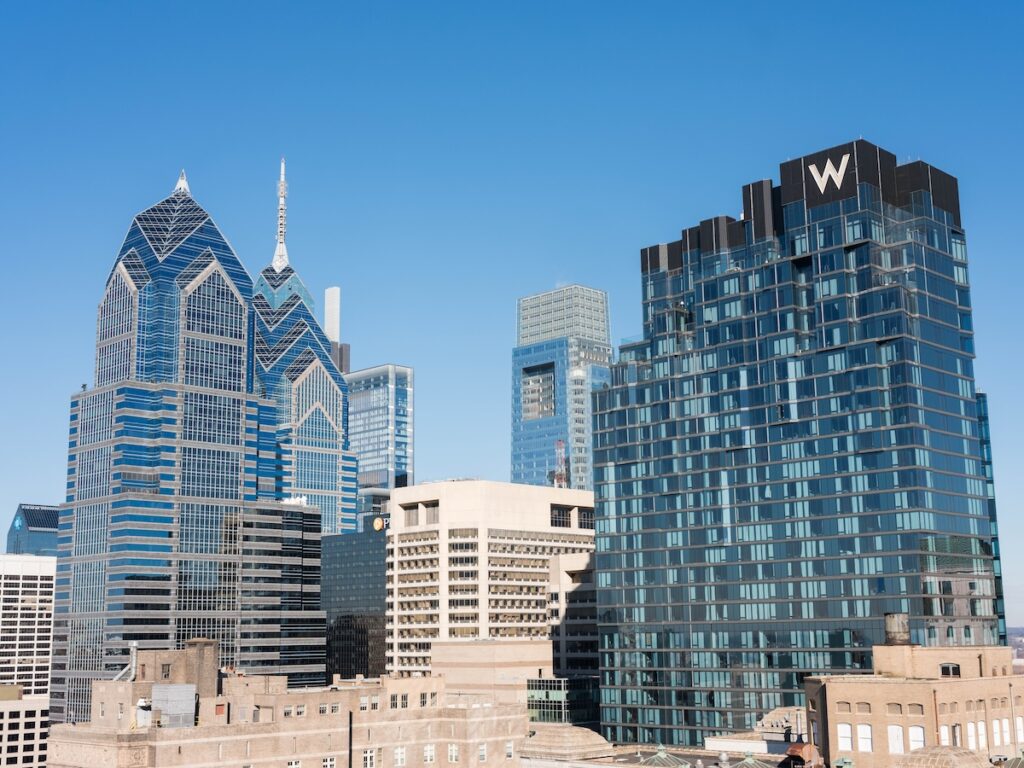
[897,629]
[332,314]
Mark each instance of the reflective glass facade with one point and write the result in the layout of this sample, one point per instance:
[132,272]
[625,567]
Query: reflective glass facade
[177,522]
[354,600]
[33,531]
[381,425]
[294,368]
[793,450]
[562,353]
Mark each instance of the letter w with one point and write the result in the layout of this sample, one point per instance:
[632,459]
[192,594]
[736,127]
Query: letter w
[830,173]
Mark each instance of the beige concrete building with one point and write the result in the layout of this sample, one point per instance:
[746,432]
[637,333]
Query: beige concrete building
[498,669]
[24,723]
[175,712]
[473,559]
[957,696]
[26,613]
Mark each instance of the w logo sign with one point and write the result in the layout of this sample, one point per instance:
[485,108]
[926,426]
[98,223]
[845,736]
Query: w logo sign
[822,179]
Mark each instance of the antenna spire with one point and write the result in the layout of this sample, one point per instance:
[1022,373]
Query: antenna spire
[182,186]
[281,251]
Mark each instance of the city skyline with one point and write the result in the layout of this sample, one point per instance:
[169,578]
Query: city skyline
[337,232]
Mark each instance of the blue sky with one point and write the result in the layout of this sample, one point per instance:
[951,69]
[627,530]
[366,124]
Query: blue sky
[446,158]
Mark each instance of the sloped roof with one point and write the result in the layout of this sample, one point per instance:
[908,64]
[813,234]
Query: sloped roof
[942,757]
[559,741]
[167,224]
[662,759]
[39,516]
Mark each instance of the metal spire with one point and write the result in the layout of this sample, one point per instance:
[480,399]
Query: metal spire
[281,252]
[182,186]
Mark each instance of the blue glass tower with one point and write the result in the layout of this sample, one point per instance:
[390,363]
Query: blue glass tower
[33,531]
[176,523]
[793,450]
[563,351]
[295,369]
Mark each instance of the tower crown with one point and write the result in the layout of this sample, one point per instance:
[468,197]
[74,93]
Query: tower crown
[281,251]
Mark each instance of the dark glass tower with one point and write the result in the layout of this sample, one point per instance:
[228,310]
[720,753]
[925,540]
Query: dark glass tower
[792,451]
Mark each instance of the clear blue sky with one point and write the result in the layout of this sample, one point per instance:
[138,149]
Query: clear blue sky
[446,158]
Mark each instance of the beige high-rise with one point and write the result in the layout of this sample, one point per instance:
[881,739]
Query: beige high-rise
[476,559]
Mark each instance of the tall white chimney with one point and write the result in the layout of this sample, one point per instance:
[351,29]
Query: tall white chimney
[332,314]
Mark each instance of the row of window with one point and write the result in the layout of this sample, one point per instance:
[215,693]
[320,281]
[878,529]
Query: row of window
[977,736]
[400,756]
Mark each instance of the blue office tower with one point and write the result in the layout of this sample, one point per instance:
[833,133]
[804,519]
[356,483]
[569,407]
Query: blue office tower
[33,531]
[295,369]
[176,523]
[563,351]
[793,450]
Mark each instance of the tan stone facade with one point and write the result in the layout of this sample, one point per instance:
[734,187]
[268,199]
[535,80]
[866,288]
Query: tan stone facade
[472,560]
[257,722]
[919,697]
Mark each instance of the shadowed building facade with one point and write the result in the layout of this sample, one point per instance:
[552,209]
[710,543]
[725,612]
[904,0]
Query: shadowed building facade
[793,450]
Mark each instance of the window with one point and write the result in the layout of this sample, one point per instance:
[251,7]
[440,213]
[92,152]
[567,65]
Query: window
[508,750]
[394,701]
[423,699]
[323,709]
[369,758]
[843,706]
[916,709]
[300,710]
[1019,721]
[412,514]
[335,708]
[863,737]
[165,671]
[399,757]
[375,702]
[288,711]
[1006,731]
[432,511]
[944,735]
[429,753]
[958,736]
[996,739]
[949,670]
[863,708]
[982,735]
[294,764]
[328,762]
[916,737]
[894,709]
[453,753]
[561,517]
[120,710]
[845,733]
[587,517]
[895,739]
[364,703]
[481,753]
[972,737]
[405,701]
[433,698]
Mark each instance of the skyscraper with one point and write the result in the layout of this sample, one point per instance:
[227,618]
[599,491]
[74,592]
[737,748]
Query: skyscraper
[562,351]
[792,451]
[184,460]
[295,368]
[381,420]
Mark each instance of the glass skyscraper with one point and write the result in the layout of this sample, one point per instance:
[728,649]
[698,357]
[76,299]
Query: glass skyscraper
[562,351]
[381,425]
[794,449]
[216,419]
